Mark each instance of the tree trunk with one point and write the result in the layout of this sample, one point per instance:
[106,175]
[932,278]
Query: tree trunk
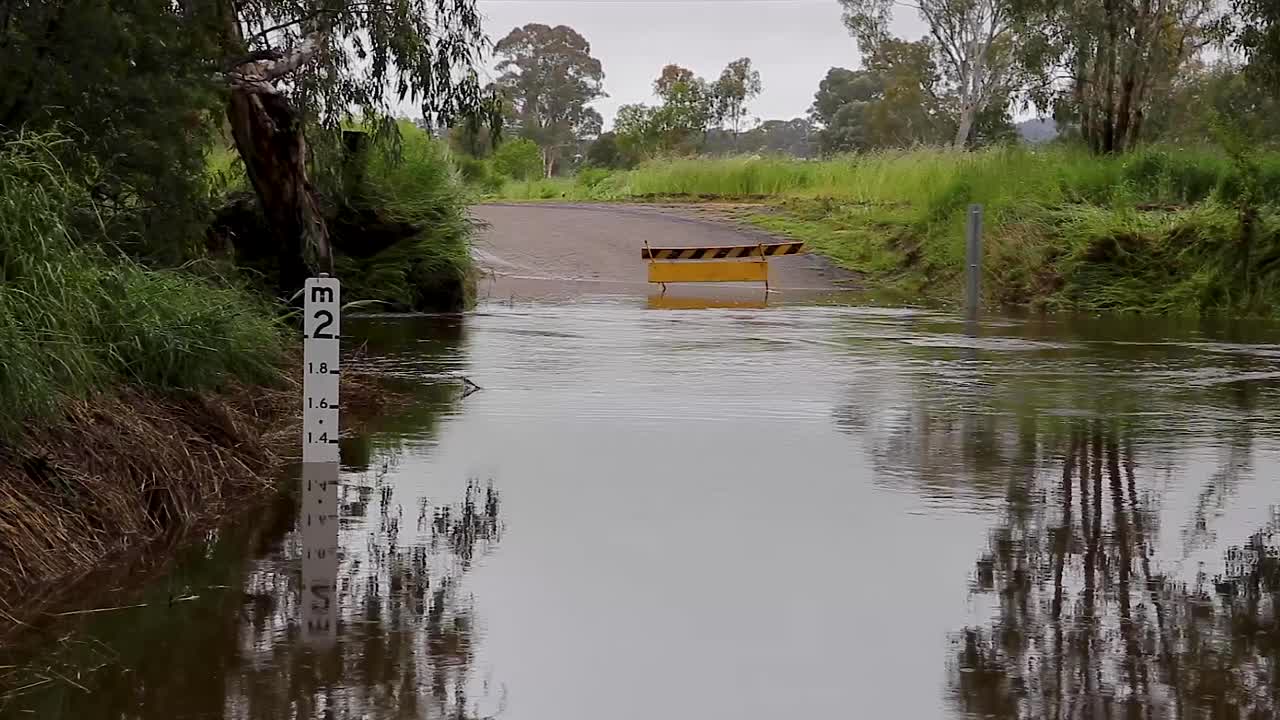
[548,162]
[967,112]
[1081,97]
[1093,100]
[1109,118]
[1140,98]
[269,136]
[1124,116]
[1135,128]
[1129,98]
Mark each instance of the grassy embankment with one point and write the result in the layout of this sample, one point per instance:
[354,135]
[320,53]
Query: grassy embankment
[121,386]
[1160,230]
[135,401]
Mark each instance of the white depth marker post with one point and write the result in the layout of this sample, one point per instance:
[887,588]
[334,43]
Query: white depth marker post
[320,371]
[319,515]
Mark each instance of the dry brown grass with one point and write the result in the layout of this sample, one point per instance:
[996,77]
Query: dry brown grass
[123,473]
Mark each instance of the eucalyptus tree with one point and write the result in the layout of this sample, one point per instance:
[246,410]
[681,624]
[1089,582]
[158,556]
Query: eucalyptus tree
[738,84]
[549,77]
[974,43]
[292,64]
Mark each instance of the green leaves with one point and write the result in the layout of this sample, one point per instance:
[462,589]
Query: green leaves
[132,93]
[892,103]
[1100,65]
[737,84]
[420,50]
[75,317]
[690,108]
[518,159]
[549,76]
[1259,37]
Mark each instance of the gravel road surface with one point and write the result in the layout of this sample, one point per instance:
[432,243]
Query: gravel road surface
[536,250]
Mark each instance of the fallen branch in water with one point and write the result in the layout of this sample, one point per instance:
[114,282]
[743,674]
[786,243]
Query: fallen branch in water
[15,692]
[97,610]
[469,386]
[68,680]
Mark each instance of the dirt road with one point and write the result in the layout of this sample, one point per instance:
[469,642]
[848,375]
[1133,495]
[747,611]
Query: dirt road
[565,250]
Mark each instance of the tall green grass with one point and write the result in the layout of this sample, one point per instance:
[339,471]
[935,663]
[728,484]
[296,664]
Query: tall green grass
[77,316]
[925,176]
[413,183]
[1158,229]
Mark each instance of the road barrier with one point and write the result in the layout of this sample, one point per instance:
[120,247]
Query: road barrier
[727,263]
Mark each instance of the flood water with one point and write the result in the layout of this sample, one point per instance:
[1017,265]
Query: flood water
[797,511]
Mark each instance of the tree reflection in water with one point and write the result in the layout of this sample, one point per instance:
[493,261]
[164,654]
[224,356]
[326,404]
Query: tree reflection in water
[404,646]
[1084,625]
[237,644]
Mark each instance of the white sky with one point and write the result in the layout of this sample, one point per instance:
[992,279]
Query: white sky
[792,43]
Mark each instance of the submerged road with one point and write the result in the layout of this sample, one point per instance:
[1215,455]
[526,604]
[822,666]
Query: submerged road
[545,249]
[697,509]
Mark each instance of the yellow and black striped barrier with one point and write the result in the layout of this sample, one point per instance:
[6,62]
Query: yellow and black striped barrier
[738,263]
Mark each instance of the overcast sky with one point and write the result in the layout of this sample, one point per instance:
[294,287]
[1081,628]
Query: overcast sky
[791,42]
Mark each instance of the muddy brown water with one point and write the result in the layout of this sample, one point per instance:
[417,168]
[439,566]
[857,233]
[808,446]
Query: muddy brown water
[657,511]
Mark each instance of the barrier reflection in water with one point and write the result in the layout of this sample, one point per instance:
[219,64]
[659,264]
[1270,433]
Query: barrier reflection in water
[679,302]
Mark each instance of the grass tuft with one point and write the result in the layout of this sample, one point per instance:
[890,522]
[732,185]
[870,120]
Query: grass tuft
[76,316]
[415,185]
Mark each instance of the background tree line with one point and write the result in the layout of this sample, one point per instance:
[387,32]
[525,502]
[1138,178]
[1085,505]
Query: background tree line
[1109,74]
[542,100]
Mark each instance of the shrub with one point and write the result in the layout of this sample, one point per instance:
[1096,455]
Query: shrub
[591,177]
[474,171]
[415,187]
[518,159]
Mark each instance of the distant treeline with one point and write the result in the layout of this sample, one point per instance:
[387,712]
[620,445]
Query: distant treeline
[1107,75]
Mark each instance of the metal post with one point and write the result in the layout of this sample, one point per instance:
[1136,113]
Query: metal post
[973,261]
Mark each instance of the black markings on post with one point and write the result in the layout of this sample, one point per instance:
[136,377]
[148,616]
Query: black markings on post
[326,319]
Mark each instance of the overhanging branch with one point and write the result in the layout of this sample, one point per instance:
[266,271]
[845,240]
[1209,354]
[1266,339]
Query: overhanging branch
[341,8]
[257,75]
